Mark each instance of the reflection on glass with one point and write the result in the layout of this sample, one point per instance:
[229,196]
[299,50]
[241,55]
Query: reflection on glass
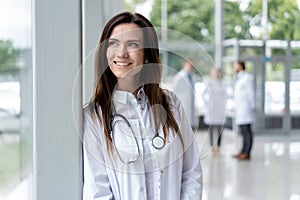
[295,90]
[275,89]
[15,102]
[294,150]
[274,97]
[295,97]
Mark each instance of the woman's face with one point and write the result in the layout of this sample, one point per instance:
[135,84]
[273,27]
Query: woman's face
[125,52]
[237,67]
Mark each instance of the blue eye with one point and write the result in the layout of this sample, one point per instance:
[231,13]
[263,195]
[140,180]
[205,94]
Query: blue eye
[112,43]
[132,44]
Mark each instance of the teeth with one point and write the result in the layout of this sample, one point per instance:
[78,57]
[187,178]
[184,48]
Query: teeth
[122,64]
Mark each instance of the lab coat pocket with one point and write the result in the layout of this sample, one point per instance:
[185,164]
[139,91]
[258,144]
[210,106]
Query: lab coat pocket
[125,141]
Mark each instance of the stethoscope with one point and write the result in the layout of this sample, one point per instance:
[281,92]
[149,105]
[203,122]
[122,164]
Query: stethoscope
[158,142]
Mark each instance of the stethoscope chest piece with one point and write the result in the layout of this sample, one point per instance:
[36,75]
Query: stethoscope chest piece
[158,142]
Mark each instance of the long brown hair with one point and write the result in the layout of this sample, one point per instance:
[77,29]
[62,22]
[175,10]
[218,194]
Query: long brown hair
[150,74]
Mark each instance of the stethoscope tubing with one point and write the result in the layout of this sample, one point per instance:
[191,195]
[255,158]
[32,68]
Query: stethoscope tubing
[158,142]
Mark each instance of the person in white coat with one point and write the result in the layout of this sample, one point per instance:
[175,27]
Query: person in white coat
[183,86]
[214,98]
[244,98]
[137,142]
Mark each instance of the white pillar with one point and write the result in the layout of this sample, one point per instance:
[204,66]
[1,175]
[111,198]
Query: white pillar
[218,32]
[57,167]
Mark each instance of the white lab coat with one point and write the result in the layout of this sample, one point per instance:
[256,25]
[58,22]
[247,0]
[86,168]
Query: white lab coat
[214,98]
[244,98]
[185,92]
[164,174]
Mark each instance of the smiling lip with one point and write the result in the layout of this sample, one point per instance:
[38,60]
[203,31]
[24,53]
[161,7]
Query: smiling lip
[122,64]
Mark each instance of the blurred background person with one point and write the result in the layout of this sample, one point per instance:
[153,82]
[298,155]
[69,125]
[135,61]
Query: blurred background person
[183,86]
[244,99]
[214,98]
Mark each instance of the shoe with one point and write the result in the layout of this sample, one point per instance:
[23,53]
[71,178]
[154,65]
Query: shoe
[236,155]
[243,156]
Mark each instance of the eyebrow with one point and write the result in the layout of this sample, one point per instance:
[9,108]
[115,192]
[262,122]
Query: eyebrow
[114,39]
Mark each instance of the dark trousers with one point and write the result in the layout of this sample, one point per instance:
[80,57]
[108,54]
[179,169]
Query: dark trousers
[246,132]
[215,130]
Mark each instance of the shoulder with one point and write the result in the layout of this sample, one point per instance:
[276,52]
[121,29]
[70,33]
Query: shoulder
[179,75]
[89,113]
[169,94]
[92,125]
[245,77]
[172,99]
[248,75]
[88,109]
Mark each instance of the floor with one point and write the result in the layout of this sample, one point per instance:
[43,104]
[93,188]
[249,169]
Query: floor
[273,173]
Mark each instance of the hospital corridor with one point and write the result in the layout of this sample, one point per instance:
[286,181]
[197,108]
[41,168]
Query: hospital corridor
[272,173]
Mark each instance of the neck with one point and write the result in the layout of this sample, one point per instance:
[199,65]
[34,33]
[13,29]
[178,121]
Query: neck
[131,84]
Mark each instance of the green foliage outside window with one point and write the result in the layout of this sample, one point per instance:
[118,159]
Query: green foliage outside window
[195,18]
[8,57]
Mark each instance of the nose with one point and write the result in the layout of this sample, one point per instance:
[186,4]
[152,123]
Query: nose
[122,52]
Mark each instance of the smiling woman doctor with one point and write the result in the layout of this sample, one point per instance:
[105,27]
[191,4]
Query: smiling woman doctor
[137,141]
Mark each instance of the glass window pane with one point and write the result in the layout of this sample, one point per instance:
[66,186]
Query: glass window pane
[274,88]
[15,99]
[295,95]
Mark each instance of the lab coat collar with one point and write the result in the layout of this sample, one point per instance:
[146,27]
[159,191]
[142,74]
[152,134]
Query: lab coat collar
[184,72]
[241,73]
[123,97]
